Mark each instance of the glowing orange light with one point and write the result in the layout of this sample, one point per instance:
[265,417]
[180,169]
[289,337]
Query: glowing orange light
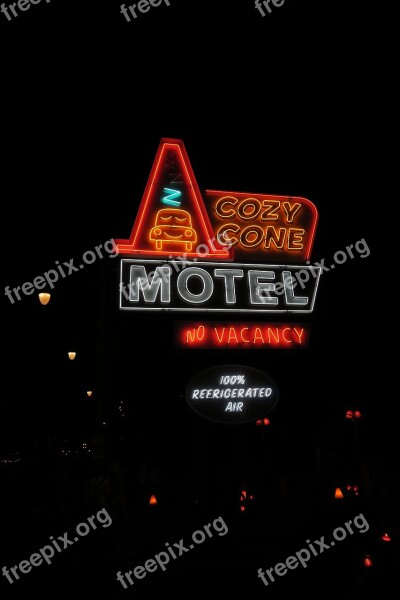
[44,298]
[89,393]
[386,538]
[153,500]
[71,355]
[368,561]
[173,227]
[338,493]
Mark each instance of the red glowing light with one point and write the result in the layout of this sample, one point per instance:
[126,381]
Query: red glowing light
[386,538]
[263,422]
[350,414]
[153,500]
[242,508]
[368,561]
[240,335]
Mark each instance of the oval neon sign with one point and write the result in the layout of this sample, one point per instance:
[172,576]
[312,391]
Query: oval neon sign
[232,394]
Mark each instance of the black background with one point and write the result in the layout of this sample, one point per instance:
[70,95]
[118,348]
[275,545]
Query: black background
[296,103]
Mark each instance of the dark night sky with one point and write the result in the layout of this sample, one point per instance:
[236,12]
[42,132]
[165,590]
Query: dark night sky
[297,103]
[268,106]
[279,105]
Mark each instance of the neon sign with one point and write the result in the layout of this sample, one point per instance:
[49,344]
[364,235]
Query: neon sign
[240,335]
[177,259]
[173,225]
[169,232]
[232,394]
[282,227]
[214,287]
[170,198]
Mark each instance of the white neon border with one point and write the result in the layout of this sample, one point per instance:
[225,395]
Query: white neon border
[218,264]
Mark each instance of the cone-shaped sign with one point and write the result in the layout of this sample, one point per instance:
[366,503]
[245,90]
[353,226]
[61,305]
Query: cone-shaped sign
[172,219]
[338,494]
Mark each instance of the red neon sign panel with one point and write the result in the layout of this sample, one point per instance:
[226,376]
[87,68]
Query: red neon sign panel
[172,219]
[241,335]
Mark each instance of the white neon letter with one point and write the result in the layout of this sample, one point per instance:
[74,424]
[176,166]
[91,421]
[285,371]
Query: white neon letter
[289,294]
[229,276]
[139,280]
[257,288]
[182,284]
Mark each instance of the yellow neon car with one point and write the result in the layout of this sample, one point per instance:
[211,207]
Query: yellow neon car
[173,226]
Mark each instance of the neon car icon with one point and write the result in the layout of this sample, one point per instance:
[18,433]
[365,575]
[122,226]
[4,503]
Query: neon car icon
[173,226]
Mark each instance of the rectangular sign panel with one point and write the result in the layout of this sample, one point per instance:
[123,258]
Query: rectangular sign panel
[258,226]
[182,285]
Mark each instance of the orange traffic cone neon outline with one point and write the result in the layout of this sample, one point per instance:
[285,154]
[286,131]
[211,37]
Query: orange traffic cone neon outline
[172,219]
